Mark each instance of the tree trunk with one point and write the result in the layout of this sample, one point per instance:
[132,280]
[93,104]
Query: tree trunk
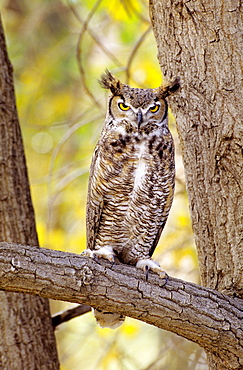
[27,340]
[202,43]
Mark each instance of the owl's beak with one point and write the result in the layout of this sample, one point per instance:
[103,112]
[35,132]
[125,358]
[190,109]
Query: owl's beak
[139,117]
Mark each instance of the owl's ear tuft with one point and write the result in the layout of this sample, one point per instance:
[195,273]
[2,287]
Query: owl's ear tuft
[163,91]
[108,81]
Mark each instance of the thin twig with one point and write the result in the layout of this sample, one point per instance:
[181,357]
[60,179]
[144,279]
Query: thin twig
[54,156]
[106,51]
[79,53]
[134,52]
[69,314]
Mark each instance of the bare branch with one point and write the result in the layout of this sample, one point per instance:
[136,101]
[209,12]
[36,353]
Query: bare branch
[134,52]
[79,53]
[202,315]
[97,40]
[70,314]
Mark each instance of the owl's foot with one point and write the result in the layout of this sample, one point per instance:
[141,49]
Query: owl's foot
[147,264]
[105,252]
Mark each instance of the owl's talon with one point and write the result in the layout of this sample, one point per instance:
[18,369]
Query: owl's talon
[112,263]
[88,253]
[105,252]
[166,280]
[146,272]
[147,264]
[96,259]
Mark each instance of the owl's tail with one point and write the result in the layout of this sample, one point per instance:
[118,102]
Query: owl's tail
[108,319]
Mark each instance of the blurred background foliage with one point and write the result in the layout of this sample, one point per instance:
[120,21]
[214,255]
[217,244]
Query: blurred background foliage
[59,49]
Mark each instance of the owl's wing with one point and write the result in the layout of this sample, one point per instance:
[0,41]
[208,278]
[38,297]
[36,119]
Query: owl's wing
[156,240]
[94,206]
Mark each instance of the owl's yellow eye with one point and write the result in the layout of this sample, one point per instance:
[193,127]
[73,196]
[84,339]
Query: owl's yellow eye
[154,108]
[123,106]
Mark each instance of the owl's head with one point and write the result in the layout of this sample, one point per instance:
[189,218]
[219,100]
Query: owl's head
[138,106]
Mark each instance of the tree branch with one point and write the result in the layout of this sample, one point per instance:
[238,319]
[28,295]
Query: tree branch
[202,315]
[69,314]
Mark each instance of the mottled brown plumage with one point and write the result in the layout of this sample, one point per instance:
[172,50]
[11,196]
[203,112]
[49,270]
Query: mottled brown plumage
[132,179]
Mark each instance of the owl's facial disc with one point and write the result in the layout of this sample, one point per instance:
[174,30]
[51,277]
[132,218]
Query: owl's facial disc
[138,114]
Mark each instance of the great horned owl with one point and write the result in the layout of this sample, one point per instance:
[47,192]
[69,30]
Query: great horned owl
[132,178]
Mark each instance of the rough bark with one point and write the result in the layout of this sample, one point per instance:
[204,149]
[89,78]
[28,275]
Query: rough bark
[205,316]
[202,43]
[27,340]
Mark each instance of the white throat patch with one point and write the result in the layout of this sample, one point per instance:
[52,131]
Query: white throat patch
[141,167]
